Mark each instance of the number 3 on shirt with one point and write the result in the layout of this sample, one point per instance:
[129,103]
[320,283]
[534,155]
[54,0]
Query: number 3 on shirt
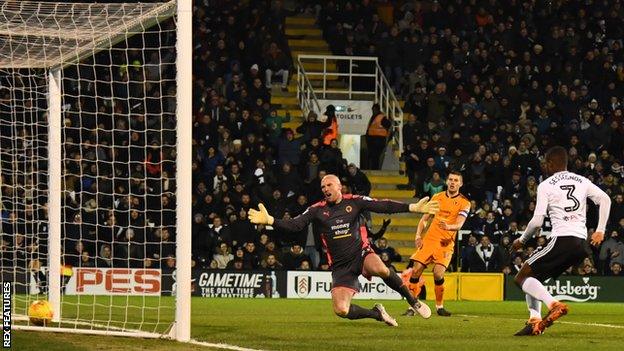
[570,195]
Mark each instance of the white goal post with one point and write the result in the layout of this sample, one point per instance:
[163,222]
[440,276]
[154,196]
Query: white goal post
[70,113]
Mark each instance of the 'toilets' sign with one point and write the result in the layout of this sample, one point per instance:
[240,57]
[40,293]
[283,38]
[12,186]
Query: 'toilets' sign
[352,115]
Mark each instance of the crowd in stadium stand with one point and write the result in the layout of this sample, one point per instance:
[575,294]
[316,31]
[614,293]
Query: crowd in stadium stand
[488,88]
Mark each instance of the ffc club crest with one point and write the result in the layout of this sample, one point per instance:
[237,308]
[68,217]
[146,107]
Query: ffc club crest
[302,284]
[348,209]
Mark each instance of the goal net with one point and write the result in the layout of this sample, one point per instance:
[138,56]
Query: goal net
[88,164]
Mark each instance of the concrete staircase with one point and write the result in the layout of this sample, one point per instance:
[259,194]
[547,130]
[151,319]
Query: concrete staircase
[303,38]
[400,233]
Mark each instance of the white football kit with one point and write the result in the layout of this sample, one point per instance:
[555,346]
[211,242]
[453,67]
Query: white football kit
[563,198]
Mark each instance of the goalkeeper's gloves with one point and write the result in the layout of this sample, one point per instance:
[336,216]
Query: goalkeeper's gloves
[260,217]
[425,206]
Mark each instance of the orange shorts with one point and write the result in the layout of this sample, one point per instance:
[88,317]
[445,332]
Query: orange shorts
[434,252]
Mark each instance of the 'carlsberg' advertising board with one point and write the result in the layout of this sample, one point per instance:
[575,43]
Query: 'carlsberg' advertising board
[318,285]
[575,288]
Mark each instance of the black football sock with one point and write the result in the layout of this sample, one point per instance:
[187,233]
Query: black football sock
[395,282]
[358,312]
[414,280]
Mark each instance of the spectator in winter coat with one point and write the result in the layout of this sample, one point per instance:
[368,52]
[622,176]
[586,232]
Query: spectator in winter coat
[311,128]
[293,259]
[289,148]
[433,185]
[274,124]
[358,181]
[381,246]
[439,104]
[485,257]
[612,250]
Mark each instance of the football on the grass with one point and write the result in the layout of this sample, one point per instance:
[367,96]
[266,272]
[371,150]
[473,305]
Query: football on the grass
[40,312]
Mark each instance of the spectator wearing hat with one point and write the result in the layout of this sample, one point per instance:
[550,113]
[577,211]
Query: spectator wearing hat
[329,124]
[254,73]
[442,160]
[311,128]
[377,136]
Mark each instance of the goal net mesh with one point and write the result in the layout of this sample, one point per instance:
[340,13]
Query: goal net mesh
[116,64]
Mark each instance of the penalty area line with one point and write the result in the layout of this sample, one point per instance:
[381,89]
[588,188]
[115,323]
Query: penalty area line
[614,326]
[221,346]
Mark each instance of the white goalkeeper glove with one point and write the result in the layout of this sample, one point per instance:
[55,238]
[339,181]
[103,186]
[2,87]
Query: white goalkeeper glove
[425,206]
[260,217]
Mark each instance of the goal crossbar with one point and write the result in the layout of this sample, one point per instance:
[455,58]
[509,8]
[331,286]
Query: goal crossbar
[28,39]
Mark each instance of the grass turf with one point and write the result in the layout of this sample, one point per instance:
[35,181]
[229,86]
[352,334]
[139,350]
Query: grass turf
[285,324]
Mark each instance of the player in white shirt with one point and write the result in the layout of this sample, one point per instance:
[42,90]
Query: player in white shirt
[563,198]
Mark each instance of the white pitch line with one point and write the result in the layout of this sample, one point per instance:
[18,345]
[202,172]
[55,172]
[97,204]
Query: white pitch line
[221,346]
[614,326]
[594,324]
[192,341]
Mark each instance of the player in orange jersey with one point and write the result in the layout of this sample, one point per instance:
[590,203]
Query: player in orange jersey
[438,244]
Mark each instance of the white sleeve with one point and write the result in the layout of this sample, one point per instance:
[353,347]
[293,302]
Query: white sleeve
[601,199]
[541,209]
[535,224]
[541,206]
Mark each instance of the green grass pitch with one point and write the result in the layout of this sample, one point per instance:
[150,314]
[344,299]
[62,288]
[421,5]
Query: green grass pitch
[286,324]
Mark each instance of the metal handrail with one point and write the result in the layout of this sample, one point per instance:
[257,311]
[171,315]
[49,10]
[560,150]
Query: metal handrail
[383,94]
[305,93]
[390,105]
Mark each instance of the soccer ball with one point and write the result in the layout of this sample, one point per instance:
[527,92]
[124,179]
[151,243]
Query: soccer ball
[40,312]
